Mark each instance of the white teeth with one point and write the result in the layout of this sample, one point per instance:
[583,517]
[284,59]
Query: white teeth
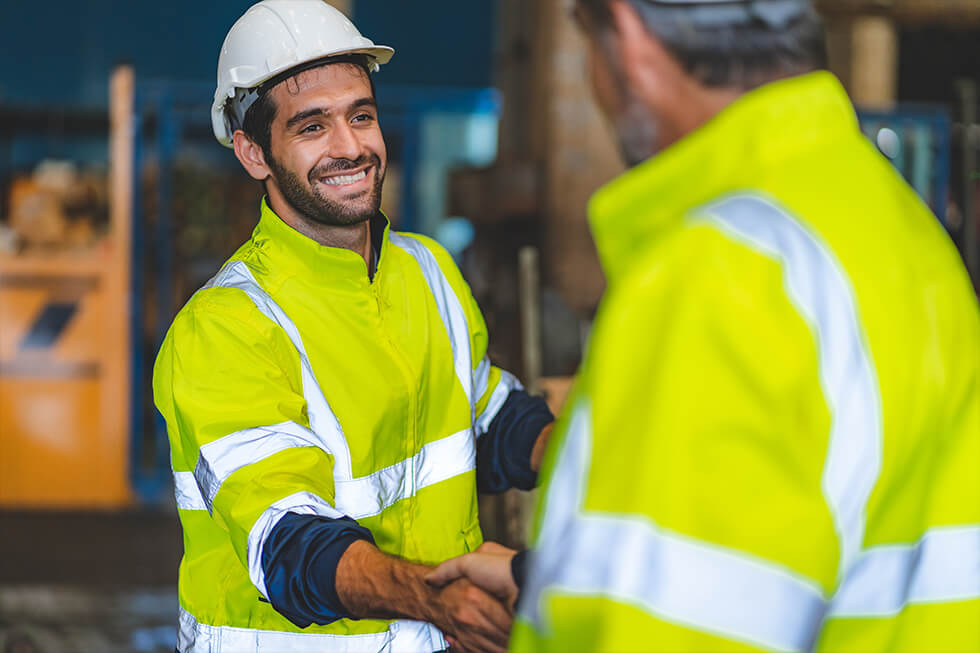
[348,179]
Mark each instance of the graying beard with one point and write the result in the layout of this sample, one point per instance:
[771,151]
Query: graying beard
[636,131]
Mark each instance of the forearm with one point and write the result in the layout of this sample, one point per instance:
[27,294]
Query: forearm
[374,585]
[537,453]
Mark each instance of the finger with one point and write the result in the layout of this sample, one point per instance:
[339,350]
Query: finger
[482,642]
[445,573]
[489,645]
[498,618]
[480,614]
[461,646]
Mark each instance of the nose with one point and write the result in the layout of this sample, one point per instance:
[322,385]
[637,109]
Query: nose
[344,143]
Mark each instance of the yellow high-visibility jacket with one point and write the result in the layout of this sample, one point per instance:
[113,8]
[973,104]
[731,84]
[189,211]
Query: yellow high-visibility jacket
[774,443]
[294,383]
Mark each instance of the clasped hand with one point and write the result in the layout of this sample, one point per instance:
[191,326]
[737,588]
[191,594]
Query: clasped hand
[483,615]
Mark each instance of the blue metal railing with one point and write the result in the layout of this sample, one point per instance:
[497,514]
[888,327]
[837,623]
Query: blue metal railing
[921,149]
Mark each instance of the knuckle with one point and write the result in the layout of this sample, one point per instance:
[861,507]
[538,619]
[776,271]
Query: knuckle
[473,594]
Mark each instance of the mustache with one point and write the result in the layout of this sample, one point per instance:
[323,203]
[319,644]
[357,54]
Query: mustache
[339,165]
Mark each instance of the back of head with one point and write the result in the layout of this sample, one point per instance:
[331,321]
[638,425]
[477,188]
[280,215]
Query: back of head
[730,43]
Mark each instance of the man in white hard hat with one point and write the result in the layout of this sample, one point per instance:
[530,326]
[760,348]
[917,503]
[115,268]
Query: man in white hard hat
[773,440]
[330,405]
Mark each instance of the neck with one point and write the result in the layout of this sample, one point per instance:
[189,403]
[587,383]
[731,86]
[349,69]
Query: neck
[691,108]
[355,237]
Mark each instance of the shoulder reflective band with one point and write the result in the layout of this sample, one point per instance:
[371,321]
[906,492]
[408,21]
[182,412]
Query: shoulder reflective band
[820,290]
[450,309]
[322,420]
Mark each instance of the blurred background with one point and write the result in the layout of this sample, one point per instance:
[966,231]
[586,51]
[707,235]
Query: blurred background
[116,204]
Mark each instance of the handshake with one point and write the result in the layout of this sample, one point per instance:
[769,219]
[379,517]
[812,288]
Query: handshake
[481,618]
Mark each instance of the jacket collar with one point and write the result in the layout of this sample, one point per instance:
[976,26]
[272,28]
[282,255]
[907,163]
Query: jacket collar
[288,251]
[734,151]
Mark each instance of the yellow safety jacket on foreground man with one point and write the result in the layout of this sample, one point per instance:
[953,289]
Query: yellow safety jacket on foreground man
[294,383]
[775,440]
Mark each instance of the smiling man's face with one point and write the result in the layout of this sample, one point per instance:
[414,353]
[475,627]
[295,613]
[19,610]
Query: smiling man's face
[327,156]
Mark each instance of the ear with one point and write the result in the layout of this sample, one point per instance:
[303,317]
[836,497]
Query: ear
[251,156]
[650,70]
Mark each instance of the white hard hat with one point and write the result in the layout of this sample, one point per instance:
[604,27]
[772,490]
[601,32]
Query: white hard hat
[275,36]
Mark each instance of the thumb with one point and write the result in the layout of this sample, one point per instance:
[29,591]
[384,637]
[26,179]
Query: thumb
[445,573]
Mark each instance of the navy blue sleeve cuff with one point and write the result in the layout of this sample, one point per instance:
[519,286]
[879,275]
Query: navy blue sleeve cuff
[518,569]
[300,561]
[503,454]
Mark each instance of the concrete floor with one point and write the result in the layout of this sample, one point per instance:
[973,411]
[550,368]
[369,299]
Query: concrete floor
[80,582]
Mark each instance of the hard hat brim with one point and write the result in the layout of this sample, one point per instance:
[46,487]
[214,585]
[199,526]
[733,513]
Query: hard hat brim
[378,55]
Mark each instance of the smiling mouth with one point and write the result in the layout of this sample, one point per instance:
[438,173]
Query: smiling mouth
[345,180]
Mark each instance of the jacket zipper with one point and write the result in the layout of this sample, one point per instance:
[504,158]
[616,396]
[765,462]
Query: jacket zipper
[412,441]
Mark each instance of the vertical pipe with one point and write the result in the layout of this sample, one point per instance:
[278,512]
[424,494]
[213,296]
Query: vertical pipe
[874,61]
[529,287]
[971,249]
[943,163]
[120,416]
[136,300]
[520,505]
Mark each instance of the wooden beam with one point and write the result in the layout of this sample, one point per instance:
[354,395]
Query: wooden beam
[862,51]
[579,155]
[956,13]
[874,62]
[116,378]
[343,5]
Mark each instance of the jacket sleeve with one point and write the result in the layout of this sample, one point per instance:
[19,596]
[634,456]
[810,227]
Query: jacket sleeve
[227,382]
[683,505]
[300,560]
[503,453]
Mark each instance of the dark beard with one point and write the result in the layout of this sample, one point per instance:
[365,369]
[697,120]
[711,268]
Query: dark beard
[315,207]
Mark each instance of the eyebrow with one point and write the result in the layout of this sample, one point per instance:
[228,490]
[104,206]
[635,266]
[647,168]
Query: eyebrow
[321,111]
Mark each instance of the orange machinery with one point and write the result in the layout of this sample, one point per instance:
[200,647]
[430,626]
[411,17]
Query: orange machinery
[65,356]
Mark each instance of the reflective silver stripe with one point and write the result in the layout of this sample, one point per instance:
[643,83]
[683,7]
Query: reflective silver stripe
[436,462]
[187,493]
[322,420]
[818,287]
[300,503]
[714,589]
[678,579]
[362,497]
[497,399]
[481,378]
[450,309]
[220,459]
[402,636]
[944,565]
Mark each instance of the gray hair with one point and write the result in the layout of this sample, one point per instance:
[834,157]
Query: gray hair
[732,44]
